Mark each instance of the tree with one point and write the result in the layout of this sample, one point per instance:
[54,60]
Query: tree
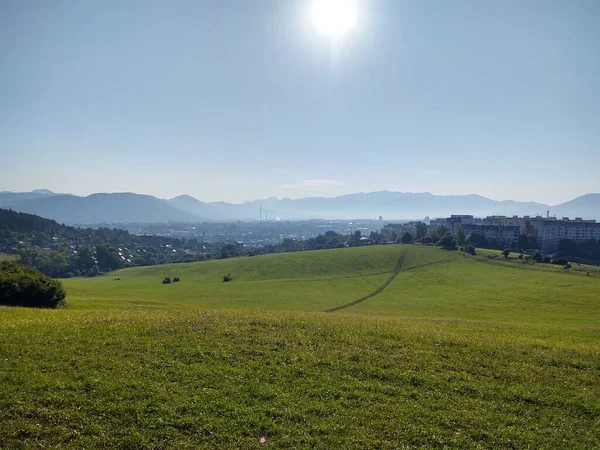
[357,235]
[108,258]
[470,250]
[442,231]
[477,239]
[24,286]
[85,260]
[506,252]
[434,235]
[95,270]
[460,235]
[421,230]
[532,242]
[523,242]
[406,238]
[426,240]
[448,242]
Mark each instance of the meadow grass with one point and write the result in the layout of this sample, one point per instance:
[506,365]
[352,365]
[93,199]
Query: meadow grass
[457,352]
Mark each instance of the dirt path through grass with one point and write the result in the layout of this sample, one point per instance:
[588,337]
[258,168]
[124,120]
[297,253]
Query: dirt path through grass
[376,291]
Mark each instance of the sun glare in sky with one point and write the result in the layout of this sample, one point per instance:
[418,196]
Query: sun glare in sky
[334,18]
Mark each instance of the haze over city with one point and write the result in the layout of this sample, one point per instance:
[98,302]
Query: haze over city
[236,101]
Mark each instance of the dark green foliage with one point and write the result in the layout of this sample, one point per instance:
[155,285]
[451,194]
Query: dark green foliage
[532,242]
[426,240]
[176,280]
[167,280]
[523,242]
[506,252]
[460,235]
[95,270]
[24,286]
[108,258]
[406,238]
[546,259]
[421,230]
[520,255]
[227,278]
[470,250]
[477,239]
[537,257]
[587,250]
[442,231]
[560,261]
[434,235]
[447,242]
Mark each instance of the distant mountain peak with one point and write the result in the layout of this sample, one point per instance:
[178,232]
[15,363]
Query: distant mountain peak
[185,197]
[42,191]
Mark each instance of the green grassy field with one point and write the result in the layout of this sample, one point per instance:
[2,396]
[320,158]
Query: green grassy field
[456,352]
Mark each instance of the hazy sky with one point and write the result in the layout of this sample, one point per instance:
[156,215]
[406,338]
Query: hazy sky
[235,100]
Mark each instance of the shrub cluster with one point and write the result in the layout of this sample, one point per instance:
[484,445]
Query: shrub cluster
[24,286]
[470,250]
[168,280]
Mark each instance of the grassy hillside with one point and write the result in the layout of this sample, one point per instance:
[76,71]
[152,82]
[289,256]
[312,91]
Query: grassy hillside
[456,352]
[432,283]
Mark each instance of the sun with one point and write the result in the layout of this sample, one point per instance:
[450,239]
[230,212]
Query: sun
[334,18]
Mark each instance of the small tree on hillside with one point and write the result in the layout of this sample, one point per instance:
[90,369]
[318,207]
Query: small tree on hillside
[421,230]
[448,242]
[470,250]
[460,235]
[506,252]
[406,238]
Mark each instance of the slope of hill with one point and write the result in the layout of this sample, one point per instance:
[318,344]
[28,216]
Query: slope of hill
[457,352]
[432,283]
[586,206]
[10,198]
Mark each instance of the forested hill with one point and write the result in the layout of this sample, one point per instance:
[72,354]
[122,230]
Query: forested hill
[18,222]
[61,251]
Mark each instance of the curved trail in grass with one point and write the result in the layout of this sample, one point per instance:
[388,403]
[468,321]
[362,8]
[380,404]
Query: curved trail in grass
[376,291]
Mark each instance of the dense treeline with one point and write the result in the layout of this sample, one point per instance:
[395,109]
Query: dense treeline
[586,250]
[24,286]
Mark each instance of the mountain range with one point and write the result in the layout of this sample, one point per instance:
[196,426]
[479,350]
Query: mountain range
[137,208]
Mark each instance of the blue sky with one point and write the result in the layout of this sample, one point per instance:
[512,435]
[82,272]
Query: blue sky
[229,100]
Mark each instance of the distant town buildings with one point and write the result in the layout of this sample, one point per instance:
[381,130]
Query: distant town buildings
[505,231]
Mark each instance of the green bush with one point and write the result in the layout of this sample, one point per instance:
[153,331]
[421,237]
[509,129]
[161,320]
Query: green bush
[24,286]
[167,280]
[447,242]
[470,250]
[176,279]
[406,238]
